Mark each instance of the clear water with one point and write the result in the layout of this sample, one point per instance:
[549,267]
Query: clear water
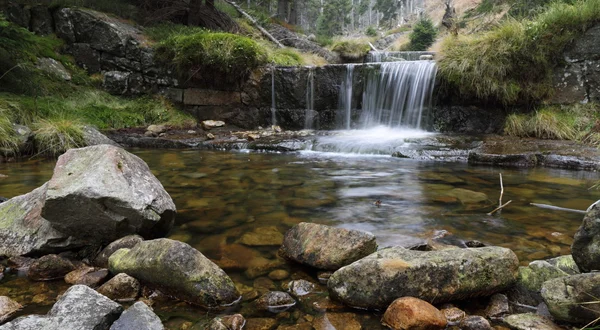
[222,196]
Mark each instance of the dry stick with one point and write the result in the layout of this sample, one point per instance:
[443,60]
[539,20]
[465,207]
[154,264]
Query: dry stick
[557,208]
[255,23]
[499,208]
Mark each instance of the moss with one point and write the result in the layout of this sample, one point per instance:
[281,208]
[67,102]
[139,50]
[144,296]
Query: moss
[351,49]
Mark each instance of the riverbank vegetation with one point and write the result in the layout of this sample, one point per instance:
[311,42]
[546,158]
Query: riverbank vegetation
[512,63]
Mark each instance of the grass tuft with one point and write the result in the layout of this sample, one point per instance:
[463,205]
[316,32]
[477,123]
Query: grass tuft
[53,137]
[351,49]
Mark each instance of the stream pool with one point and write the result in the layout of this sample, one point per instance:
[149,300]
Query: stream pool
[234,206]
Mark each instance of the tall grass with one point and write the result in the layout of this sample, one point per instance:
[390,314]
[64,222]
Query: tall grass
[512,64]
[53,137]
[353,49]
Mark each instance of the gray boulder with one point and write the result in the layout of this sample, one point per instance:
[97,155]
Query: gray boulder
[93,137]
[586,244]
[139,317]
[101,193]
[53,67]
[573,298]
[79,308]
[176,269]
[434,276]
[326,247]
[126,242]
[41,20]
[24,231]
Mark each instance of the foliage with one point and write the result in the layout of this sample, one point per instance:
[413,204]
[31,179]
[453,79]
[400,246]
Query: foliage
[351,48]
[9,141]
[53,137]
[512,63]
[334,18]
[371,31]
[286,57]
[577,122]
[423,35]
[164,31]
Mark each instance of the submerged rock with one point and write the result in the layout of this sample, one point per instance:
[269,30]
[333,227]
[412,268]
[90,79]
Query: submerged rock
[86,275]
[326,247]
[50,267]
[23,231]
[228,322]
[177,269]
[138,316]
[475,322]
[529,321]
[122,287]
[586,245]
[79,308]
[103,192]
[573,298]
[274,301]
[8,308]
[413,313]
[377,280]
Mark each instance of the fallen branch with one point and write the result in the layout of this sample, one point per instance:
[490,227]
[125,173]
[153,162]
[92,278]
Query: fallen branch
[499,208]
[373,47]
[501,191]
[255,23]
[557,208]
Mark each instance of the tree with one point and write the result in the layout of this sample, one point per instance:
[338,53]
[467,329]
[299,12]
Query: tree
[423,35]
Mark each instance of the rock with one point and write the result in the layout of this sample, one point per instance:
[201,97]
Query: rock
[138,316]
[451,275]
[497,307]
[413,313]
[529,321]
[291,39]
[536,273]
[260,324]
[346,321]
[101,193]
[41,20]
[93,137]
[210,124]
[210,136]
[122,287]
[89,276]
[568,297]
[157,129]
[49,267]
[228,322]
[586,244]
[53,67]
[116,82]
[475,322]
[177,269]
[79,308]
[20,263]
[253,136]
[24,231]
[262,236]
[274,301]
[300,288]
[467,196]
[19,14]
[453,315]
[326,247]
[279,274]
[8,308]
[63,26]
[127,242]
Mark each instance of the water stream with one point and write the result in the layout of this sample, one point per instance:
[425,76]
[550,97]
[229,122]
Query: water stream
[344,116]
[273,96]
[310,114]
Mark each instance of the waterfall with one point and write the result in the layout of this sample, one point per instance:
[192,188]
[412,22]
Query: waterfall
[397,56]
[398,94]
[273,117]
[309,117]
[345,99]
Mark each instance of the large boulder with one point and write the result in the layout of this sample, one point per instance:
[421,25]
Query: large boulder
[23,231]
[586,245]
[101,193]
[326,247]
[127,242]
[573,298]
[79,308]
[434,276]
[176,269]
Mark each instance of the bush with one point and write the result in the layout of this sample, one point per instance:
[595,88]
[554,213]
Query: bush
[351,49]
[286,57]
[423,35]
[512,64]
[371,32]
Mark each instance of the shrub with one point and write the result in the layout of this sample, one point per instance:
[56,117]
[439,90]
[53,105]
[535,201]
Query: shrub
[423,35]
[371,32]
[351,49]
[512,64]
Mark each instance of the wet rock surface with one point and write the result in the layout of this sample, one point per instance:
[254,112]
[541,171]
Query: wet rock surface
[177,269]
[453,275]
[49,267]
[569,298]
[8,308]
[326,247]
[122,287]
[138,316]
[126,242]
[586,245]
[274,302]
[529,321]
[413,313]
[103,192]
[228,322]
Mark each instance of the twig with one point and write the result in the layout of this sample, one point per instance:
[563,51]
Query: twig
[373,47]
[557,208]
[501,191]
[499,208]
[255,23]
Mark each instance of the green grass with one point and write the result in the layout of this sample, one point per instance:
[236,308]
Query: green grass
[53,137]
[580,122]
[351,49]
[512,64]
[286,57]
[9,141]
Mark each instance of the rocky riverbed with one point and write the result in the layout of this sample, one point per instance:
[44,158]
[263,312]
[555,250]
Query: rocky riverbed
[333,270]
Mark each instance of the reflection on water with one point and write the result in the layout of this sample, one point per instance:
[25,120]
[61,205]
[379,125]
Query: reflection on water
[234,207]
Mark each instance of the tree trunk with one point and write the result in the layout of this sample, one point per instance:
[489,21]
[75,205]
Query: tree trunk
[282,9]
[294,12]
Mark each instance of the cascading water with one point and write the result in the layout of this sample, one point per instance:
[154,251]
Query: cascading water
[385,56]
[309,117]
[273,111]
[344,116]
[398,94]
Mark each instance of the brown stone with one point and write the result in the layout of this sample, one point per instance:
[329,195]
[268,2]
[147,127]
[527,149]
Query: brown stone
[327,305]
[413,313]
[279,274]
[49,267]
[196,96]
[86,275]
[122,287]
[260,324]
[8,308]
[453,315]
